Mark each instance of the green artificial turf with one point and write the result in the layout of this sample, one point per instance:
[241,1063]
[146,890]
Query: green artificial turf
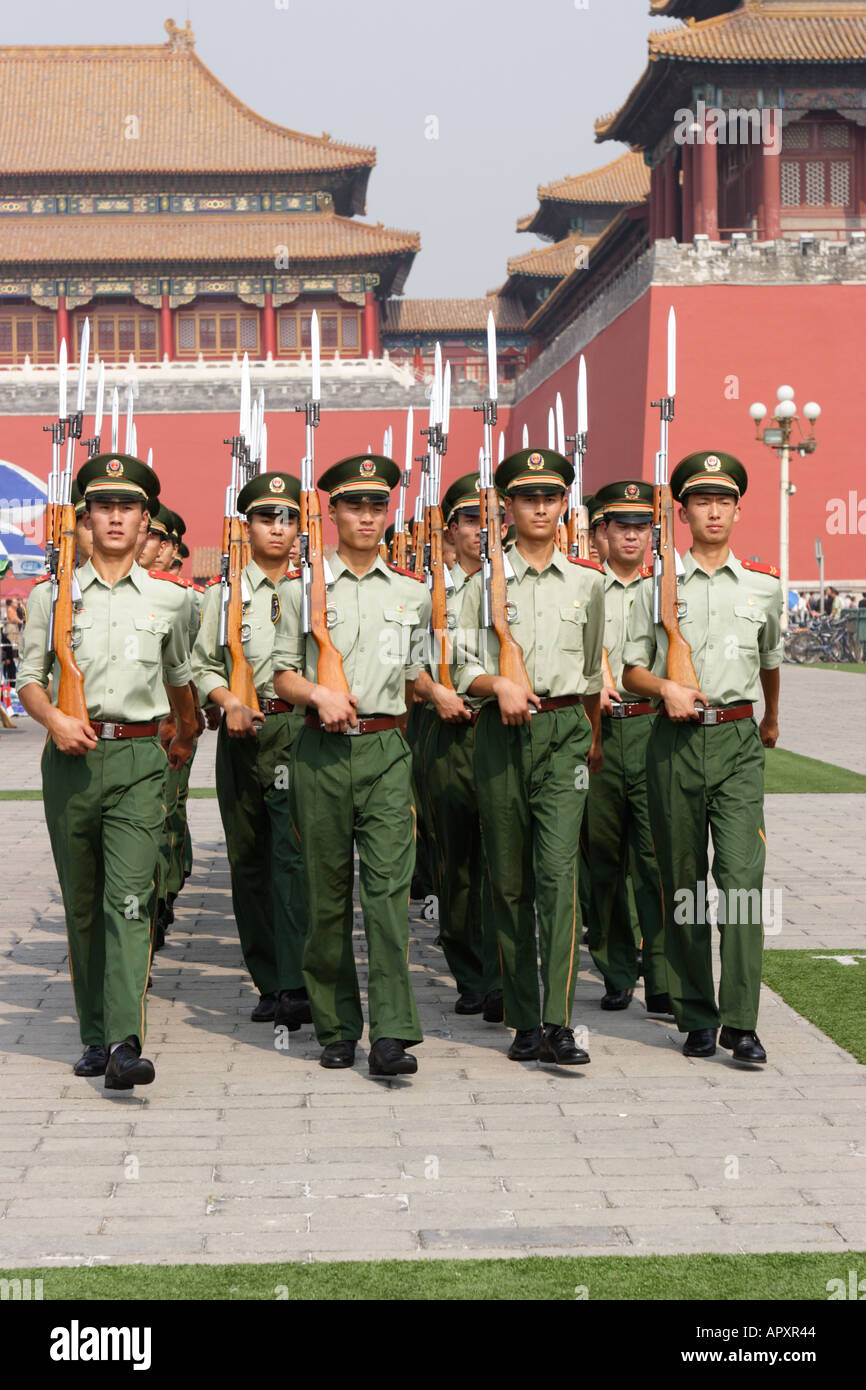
[858,666]
[791,772]
[828,993]
[598,1278]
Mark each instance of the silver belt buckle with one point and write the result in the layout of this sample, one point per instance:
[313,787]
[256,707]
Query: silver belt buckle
[354,729]
[108,731]
[710,716]
[618,711]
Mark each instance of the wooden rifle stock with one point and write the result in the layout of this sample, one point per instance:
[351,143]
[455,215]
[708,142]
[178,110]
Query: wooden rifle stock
[579,536]
[419,541]
[401,549]
[562,538]
[441,637]
[70,695]
[510,652]
[241,683]
[330,671]
[679,663]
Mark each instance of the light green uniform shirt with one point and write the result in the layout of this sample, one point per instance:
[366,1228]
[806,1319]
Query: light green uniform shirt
[618,599]
[731,619]
[212,664]
[379,623]
[128,638]
[556,616]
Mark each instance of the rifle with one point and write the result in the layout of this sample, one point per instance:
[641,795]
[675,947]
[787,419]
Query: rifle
[665,559]
[494,596]
[401,538]
[64,585]
[578,516]
[387,446]
[420,556]
[329,671]
[230,633]
[561,538]
[438,575]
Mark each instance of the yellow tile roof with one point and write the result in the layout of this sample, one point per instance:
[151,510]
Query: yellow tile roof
[832,31]
[555,260]
[64,110]
[451,315]
[176,238]
[625,179]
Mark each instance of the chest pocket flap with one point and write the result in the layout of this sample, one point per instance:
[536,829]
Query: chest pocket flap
[749,621]
[149,636]
[572,623]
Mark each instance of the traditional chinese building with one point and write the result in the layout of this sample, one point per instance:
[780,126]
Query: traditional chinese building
[750,119]
[182,223]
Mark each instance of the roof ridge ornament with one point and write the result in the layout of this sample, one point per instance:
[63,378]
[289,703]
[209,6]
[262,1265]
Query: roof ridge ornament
[179,40]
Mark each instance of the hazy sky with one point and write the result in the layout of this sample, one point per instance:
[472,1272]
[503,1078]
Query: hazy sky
[515,87]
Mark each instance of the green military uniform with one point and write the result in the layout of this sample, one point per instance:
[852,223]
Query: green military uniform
[618,827]
[705,776]
[467,932]
[532,777]
[350,790]
[104,808]
[253,773]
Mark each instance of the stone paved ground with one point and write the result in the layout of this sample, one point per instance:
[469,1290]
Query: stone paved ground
[240,1152]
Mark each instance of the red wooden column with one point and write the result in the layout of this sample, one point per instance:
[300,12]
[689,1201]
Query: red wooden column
[418,363]
[63,326]
[709,181]
[770,214]
[166,327]
[656,197]
[269,327]
[372,344]
[671,180]
[688,193]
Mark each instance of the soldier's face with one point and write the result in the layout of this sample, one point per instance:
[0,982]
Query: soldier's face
[273,533]
[710,516]
[465,532]
[537,514]
[626,543]
[360,524]
[149,550]
[114,526]
[598,547]
[83,539]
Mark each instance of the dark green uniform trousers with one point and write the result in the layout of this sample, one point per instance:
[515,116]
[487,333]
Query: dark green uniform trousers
[175,850]
[700,779]
[461,882]
[418,727]
[104,812]
[268,882]
[619,840]
[531,782]
[347,790]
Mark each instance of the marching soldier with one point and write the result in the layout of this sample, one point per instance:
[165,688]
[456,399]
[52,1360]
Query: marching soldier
[175,854]
[618,822]
[705,759]
[103,779]
[254,751]
[532,752]
[351,779]
[467,932]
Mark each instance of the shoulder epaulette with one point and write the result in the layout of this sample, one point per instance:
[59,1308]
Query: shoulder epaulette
[292,574]
[164,574]
[761,569]
[410,574]
[588,564]
[646,571]
[215,580]
[42,578]
[199,588]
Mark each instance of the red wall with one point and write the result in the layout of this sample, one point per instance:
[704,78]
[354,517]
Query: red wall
[193,464]
[810,337]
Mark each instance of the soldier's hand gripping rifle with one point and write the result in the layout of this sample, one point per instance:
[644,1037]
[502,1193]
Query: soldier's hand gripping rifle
[494,595]
[231,617]
[312,556]
[64,585]
[400,547]
[439,577]
[679,663]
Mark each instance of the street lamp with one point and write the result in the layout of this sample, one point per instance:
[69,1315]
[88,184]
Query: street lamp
[778,436]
